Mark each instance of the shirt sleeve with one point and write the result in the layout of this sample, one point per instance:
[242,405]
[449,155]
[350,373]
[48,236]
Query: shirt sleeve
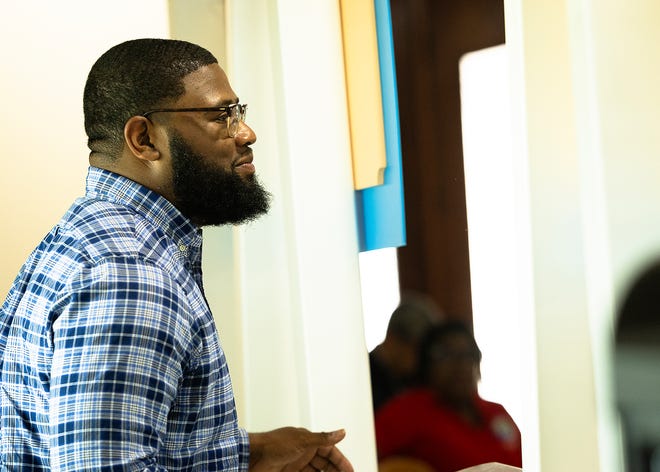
[119,349]
[244,450]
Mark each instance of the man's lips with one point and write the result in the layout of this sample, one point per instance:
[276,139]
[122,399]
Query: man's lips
[244,163]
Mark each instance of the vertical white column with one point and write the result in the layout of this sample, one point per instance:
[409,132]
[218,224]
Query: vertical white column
[545,138]
[585,76]
[306,359]
[595,227]
[623,65]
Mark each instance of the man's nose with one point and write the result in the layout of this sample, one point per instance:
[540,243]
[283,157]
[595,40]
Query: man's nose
[245,135]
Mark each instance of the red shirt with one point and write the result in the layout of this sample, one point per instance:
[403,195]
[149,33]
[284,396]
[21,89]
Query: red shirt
[415,424]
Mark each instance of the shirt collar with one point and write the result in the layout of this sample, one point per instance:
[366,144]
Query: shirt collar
[105,185]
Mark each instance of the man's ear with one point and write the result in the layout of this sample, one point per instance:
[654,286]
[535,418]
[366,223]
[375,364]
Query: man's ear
[138,135]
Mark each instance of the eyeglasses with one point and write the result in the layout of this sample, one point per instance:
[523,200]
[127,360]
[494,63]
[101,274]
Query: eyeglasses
[234,114]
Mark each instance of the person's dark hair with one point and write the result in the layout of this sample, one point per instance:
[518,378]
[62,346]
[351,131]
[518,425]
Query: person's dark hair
[434,337]
[131,78]
[413,317]
[638,321]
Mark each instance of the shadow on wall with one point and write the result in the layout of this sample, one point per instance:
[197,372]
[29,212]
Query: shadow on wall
[637,371]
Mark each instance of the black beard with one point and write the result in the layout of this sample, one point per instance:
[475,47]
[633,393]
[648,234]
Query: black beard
[212,196]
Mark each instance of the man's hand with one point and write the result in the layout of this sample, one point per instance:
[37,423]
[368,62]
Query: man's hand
[297,450]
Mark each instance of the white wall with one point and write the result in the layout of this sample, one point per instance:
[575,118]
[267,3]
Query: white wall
[545,141]
[47,49]
[585,114]
[626,64]
[622,42]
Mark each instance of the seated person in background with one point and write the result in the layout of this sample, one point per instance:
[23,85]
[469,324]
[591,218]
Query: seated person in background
[394,362]
[444,422]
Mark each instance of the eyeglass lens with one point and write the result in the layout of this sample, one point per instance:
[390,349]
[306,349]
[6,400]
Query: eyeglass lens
[236,117]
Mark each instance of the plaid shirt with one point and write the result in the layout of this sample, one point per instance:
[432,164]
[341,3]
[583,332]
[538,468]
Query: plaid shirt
[109,356]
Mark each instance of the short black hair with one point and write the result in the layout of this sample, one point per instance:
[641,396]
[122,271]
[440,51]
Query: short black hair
[639,316]
[131,78]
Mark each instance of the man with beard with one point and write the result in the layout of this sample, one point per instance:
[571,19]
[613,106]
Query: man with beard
[109,356]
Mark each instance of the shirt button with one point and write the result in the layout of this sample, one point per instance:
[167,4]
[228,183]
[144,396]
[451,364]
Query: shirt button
[183,247]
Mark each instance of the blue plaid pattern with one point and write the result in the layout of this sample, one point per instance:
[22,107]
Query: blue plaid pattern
[109,356]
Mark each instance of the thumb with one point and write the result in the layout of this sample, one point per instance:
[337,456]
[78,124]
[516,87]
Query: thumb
[330,438]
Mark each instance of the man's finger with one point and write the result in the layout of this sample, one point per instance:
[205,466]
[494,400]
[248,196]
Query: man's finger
[326,438]
[336,460]
[319,462]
